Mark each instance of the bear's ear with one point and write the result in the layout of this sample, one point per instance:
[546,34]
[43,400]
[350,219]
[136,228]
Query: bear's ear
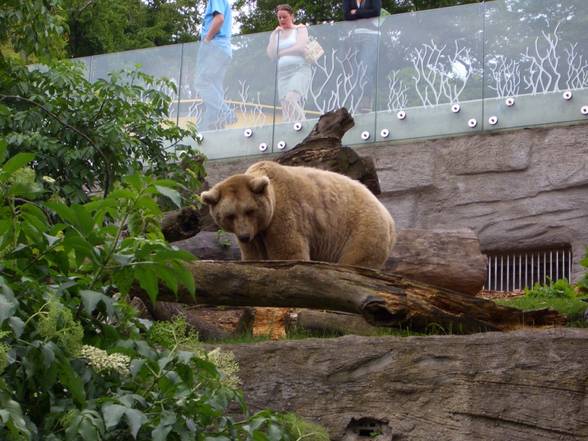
[258,185]
[210,197]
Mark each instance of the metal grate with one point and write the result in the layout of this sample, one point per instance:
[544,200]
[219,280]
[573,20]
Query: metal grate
[509,271]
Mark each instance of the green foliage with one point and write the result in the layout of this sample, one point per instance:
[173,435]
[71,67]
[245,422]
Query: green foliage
[32,28]
[73,359]
[560,289]
[111,127]
[301,429]
[104,26]
[583,282]
[176,334]
[572,308]
[259,15]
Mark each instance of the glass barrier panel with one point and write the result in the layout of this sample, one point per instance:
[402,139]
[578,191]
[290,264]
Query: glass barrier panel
[160,62]
[536,63]
[430,77]
[87,61]
[234,114]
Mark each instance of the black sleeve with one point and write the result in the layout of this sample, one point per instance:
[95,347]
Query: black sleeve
[374,9]
[348,5]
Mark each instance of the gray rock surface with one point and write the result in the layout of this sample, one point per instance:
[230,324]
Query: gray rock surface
[519,386]
[518,190]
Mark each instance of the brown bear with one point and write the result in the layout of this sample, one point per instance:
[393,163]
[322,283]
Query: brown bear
[279,212]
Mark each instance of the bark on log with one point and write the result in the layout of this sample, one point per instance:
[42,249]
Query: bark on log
[186,222]
[447,259]
[322,149]
[516,386]
[382,299]
[331,322]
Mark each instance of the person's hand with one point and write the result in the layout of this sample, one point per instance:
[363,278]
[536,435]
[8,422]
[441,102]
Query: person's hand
[206,40]
[353,11]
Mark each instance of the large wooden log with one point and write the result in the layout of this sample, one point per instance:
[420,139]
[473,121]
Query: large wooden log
[382,299]
[447,259]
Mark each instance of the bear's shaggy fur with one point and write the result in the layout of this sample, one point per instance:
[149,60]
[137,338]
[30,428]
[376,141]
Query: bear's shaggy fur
[300,213]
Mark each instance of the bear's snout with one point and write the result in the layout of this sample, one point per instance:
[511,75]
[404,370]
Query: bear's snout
[245,238]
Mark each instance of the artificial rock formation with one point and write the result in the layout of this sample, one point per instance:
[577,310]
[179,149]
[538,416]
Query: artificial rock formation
[518,386]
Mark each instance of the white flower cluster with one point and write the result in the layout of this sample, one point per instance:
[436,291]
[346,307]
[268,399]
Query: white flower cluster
[102,361]
[227,365]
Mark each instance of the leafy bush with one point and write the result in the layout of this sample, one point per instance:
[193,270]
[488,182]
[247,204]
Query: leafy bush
[559,289]
[111,127]
[583,282]
[74,362]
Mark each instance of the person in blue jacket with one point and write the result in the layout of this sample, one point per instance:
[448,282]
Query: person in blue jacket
[365,36]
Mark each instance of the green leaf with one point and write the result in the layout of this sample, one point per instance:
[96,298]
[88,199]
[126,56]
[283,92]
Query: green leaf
[161,431]
[64,212]
[112,414]
[3,150]
[7,307]
[90,300]
[170,193]
[17,325]
[70,379]
[135,419]
[17,161]
[186,278]
[147,280]
[84,220]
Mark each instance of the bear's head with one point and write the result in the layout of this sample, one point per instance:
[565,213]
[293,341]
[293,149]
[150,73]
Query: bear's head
[242,204]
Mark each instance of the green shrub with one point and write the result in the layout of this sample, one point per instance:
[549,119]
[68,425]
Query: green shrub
[583,282]
[560,289]
[74,361]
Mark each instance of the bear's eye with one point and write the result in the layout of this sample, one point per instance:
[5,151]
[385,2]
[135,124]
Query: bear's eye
[249,212]
[230,217]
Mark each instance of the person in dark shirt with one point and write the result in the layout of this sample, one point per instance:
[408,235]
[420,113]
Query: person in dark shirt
[365,36]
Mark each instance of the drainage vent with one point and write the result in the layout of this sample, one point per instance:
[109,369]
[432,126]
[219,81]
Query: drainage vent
[514,270]
[368,428]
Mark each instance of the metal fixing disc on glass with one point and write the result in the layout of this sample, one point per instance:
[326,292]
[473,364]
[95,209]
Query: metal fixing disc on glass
[247,133]
[365,135]
[455,108]
[493,120]
[384,133]
[282,145]
[584,110]
[263,147]
[401,114]
[298,126]
[472,123]
[567,95]
[509,102]
[199,137]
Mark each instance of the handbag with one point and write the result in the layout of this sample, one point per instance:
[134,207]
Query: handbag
[313,51]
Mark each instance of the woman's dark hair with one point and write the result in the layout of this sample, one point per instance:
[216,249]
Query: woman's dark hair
[285,7]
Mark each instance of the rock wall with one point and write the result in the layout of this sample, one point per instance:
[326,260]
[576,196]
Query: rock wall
[520,386]
[518,190]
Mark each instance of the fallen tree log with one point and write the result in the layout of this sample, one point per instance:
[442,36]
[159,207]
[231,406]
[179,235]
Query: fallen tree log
[382,299]
[447,259]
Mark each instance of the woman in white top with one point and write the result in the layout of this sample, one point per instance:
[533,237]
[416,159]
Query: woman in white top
[287,43]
